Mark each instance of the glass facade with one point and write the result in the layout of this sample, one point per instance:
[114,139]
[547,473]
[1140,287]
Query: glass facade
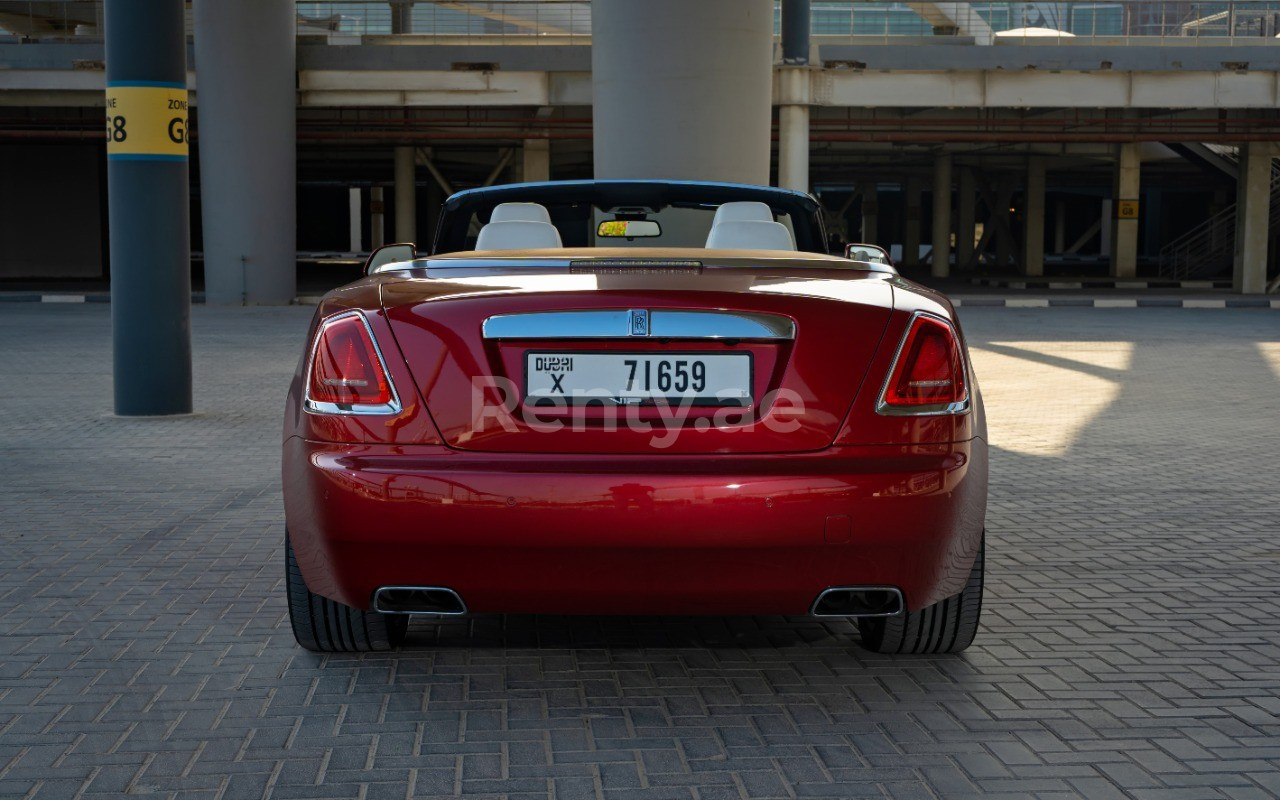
[829,17]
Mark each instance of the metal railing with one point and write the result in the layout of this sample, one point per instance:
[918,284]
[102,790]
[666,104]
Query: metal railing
[534,21]
[1208,249]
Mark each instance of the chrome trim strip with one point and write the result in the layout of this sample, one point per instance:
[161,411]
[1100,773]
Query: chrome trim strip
[610,324]
[346,409]
[618,324]
[902,602]
[721,325]
[378,593]
[936,410]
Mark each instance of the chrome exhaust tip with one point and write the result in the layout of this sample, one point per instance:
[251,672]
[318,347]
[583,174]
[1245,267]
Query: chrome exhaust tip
[859,601]
[436,601]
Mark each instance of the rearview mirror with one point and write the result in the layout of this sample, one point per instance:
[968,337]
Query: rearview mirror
[389,254]
[628,229]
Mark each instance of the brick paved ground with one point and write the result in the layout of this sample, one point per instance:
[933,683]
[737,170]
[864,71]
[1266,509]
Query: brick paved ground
[1131,645]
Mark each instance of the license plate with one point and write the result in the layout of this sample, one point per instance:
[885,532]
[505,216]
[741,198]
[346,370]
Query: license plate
[722,379]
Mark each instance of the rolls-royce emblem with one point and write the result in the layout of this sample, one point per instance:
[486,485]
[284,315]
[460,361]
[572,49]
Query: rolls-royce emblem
[639,322]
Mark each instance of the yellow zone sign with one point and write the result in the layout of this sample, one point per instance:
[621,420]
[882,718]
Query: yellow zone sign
[147,121]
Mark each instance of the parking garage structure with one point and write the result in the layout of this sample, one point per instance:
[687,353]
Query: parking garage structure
[978,144]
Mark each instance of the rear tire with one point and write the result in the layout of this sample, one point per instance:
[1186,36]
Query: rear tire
[327,626]
[947,626]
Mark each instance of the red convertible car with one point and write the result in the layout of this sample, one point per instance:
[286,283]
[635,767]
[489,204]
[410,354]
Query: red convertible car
[634,397]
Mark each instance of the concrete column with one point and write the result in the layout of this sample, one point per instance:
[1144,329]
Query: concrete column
[1033,218]
[1253,215]
[940,261]
[912,201]
[793,128]
[682,90]
[1153,213]
[402,16]
[147,207]
[1060,226]
[870,213]
[406,196]
[966,221]
[537,160]
[1124,230]
[377,225]
[795,19]
[247,104]
[355,219]
[793,97]
[1104,230]
[434,200]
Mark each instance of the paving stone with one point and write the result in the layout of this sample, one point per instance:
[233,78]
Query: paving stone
[1129,640]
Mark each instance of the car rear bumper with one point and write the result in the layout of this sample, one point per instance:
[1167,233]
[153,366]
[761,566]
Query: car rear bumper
[635,534]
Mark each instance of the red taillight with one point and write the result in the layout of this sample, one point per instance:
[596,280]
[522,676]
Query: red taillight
[347,373]
[929,370]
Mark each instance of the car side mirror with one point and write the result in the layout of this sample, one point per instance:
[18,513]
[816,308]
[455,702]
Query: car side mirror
[859,252]
[389,254]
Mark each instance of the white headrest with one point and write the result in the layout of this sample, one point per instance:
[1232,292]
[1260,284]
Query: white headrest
[520,212]
[517,235]
[743,210]
[750,235]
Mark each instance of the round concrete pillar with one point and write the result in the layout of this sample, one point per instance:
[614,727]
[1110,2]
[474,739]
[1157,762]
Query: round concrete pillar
[406,195]
[246,102]
[682,90]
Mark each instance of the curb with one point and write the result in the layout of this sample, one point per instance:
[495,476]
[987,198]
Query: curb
[1112,302]
[1101,283]
[197,298]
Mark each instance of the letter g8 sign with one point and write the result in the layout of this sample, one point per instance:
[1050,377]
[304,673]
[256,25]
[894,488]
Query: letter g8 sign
[146,121]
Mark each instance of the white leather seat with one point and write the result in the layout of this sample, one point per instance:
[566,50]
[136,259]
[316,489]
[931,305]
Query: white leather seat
[750,235]
[743,211]
[520,212]
[518,235]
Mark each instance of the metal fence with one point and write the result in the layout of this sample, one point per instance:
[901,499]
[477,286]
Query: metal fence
[569,21]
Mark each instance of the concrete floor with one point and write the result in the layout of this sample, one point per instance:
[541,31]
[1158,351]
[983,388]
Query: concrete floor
[1131,639]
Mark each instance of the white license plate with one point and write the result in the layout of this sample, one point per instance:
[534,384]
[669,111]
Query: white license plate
[626,378]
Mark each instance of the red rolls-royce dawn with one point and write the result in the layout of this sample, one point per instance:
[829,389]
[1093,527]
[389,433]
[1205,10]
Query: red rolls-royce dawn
[634,397]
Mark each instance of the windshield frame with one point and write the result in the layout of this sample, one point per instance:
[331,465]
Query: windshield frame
[462,207]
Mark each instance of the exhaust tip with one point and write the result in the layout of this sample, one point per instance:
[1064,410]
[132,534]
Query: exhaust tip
[434,600]
[859,601]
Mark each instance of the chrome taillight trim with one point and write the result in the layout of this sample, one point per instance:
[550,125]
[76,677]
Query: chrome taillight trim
[937,409]
[348,409]
[621,324]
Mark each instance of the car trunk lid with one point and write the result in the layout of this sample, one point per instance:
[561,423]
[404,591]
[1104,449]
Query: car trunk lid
[673,359]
